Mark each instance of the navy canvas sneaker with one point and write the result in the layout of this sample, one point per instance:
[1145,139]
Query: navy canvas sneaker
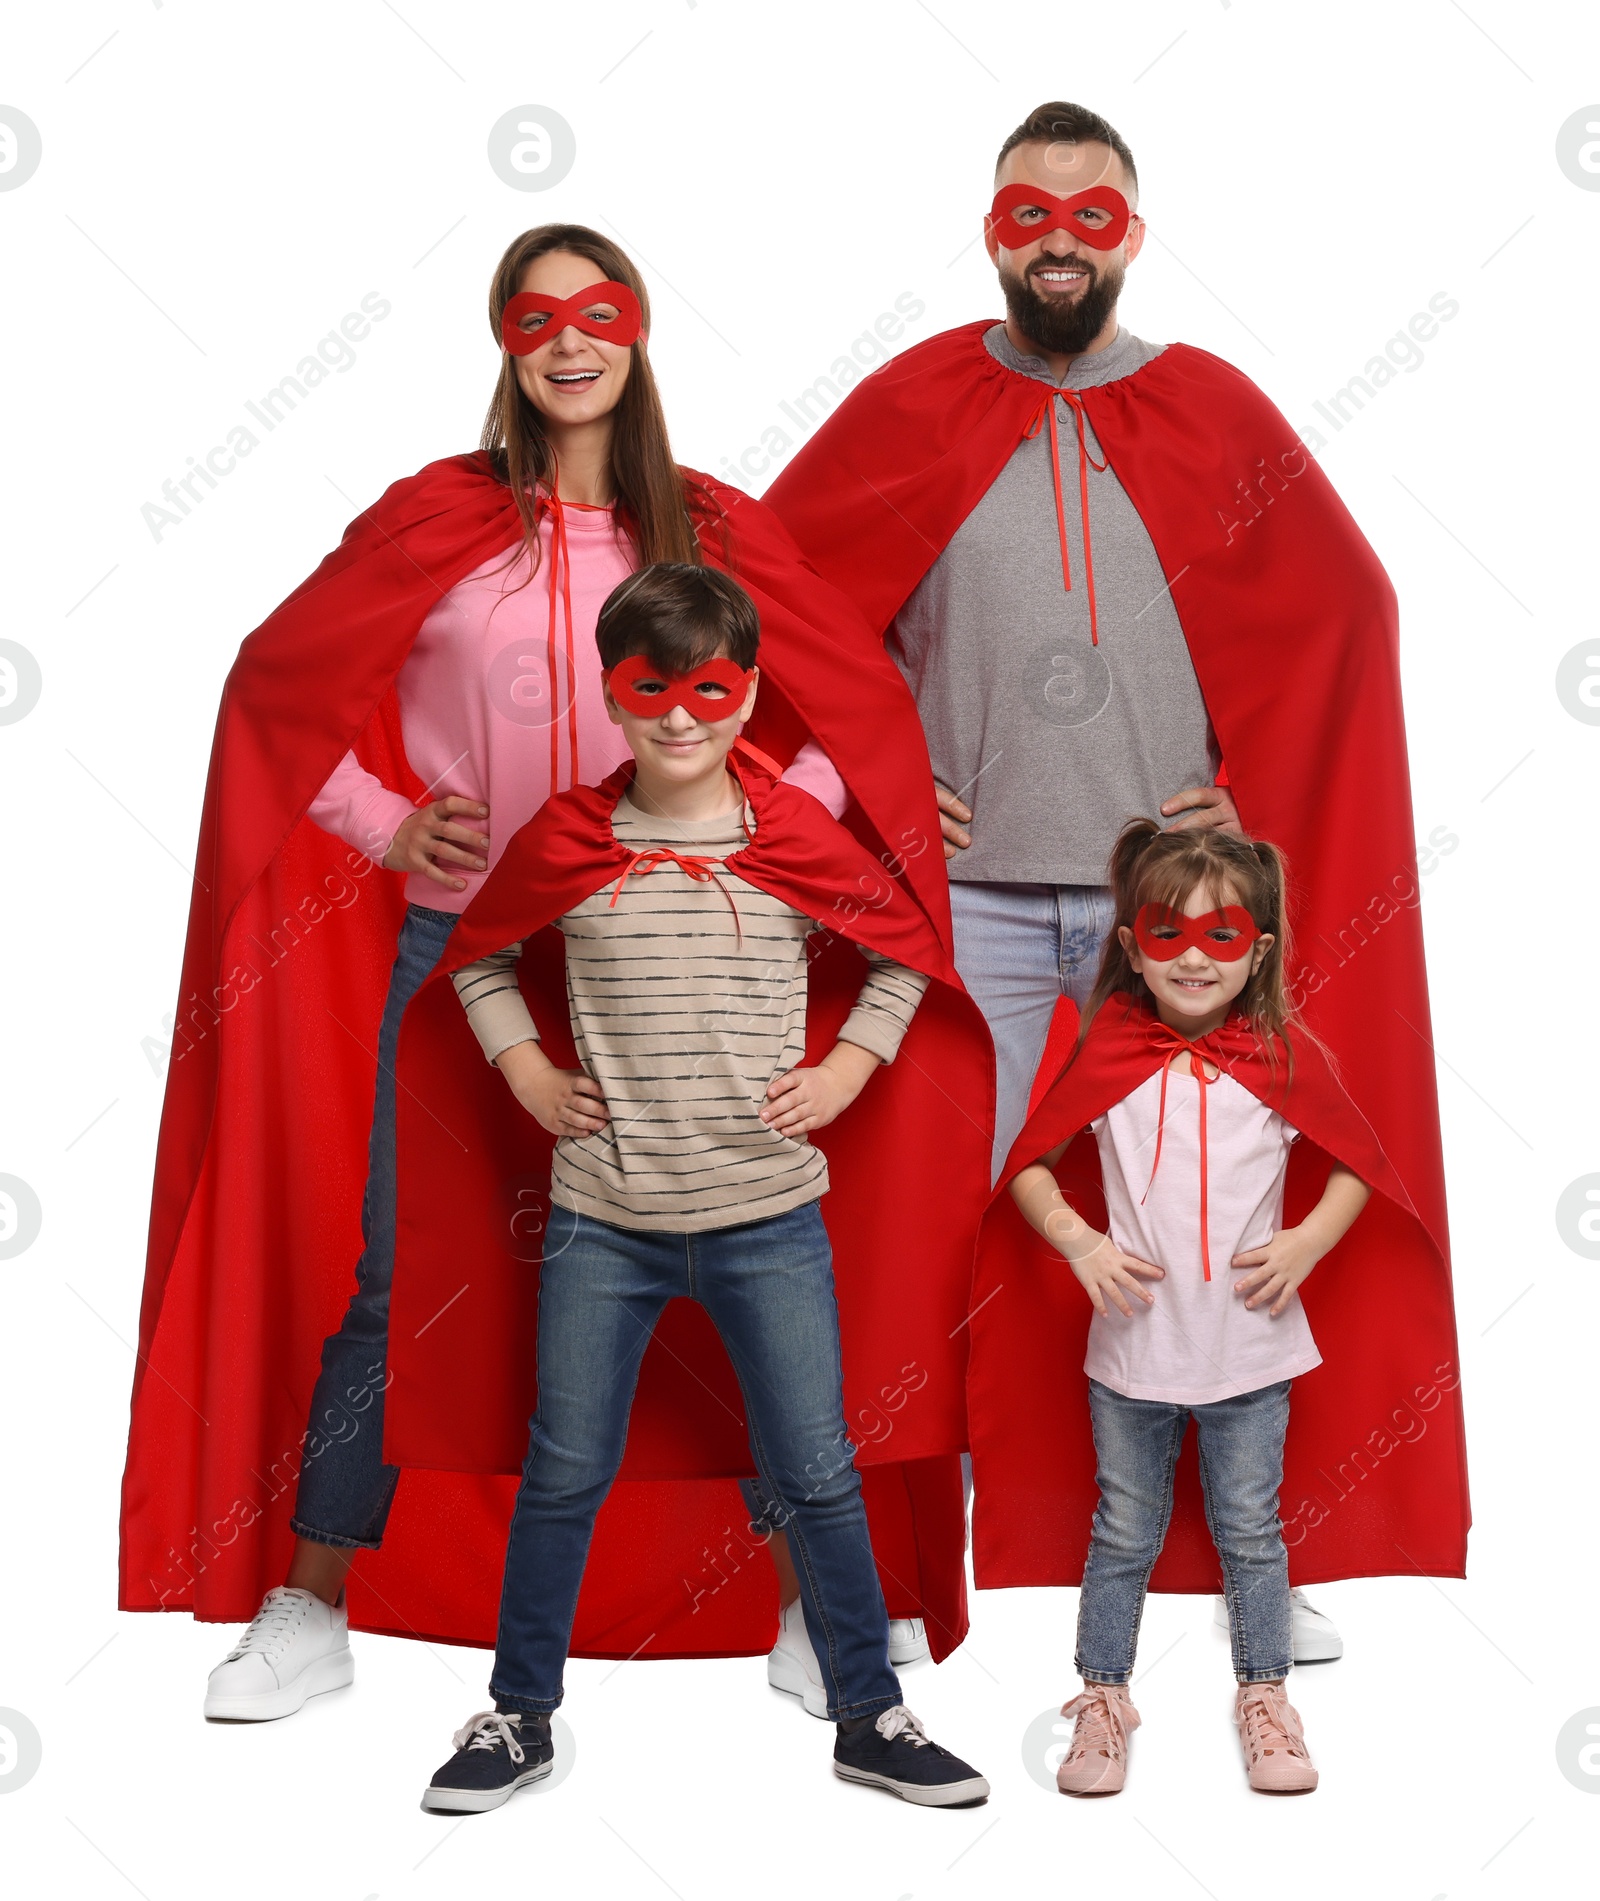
[495,1756]
[893,1752]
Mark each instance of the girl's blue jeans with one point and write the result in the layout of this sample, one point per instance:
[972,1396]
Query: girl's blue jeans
[1136,1443]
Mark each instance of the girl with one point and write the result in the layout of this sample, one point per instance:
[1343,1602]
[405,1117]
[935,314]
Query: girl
[471,590]
[1189,1035]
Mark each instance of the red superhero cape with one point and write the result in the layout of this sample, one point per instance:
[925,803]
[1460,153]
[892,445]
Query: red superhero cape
[463,1386]
[254,1225]
[1371,1471]
[1291,625]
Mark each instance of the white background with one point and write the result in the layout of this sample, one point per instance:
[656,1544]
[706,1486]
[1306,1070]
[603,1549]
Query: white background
[220,184]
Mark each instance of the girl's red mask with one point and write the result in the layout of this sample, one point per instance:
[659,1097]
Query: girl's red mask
[1063,215]
[1224,935]
[561,312]
[714,691]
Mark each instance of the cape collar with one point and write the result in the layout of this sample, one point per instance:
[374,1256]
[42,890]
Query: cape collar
[1124,356]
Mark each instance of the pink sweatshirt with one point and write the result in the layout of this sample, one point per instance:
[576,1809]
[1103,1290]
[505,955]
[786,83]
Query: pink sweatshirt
[475,706]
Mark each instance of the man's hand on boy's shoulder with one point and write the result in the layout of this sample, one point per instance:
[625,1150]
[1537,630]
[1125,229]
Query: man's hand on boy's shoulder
[801,1100]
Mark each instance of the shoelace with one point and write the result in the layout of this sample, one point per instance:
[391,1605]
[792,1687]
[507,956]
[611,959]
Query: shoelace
[1100,1722]
[1268,1723]
[489,1729]
[899,1722]
[272,1625]
[1046,413]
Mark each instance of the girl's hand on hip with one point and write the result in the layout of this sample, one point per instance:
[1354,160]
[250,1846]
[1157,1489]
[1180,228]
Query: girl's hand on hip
[1277,1269]
[431,837]
[1106,1273]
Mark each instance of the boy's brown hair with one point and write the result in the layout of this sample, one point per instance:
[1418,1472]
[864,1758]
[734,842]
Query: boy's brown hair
[678,616]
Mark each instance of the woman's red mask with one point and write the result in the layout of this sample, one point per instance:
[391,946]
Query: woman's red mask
[1062,214]
[1225,935]
[589,311]
[714,691]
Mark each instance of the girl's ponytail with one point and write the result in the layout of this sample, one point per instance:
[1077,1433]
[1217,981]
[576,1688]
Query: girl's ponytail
[1150,866]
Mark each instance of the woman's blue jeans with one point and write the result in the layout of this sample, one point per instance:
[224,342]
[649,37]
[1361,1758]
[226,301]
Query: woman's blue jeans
[345,1488]
[768,1288]
[1136,1443]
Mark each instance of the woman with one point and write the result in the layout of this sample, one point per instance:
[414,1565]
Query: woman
[442,663]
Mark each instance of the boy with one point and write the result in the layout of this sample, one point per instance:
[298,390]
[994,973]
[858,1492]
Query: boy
[682,1165]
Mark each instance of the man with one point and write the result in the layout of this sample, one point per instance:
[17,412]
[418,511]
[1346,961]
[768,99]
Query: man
[1088,554]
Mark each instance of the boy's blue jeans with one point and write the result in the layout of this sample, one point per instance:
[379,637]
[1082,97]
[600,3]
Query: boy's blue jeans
[768,1287]
[1136,1443]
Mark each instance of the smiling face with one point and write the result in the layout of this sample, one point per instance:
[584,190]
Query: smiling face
[1061,291]
[681,748]
[574,378]
[1194,991]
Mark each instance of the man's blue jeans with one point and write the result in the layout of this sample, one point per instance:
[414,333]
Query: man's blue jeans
[1136,1443]
[345,1488]
[768,1287]
[1020,947]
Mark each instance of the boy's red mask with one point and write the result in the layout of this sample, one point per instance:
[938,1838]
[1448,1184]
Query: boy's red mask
[1207,933]
[1062,216]
[560,312]
[713,691]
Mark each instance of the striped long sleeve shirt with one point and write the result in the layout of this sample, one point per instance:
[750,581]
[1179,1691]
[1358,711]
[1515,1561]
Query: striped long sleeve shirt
[684,1021]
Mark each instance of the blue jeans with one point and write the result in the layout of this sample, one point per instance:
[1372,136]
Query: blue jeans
[1018,948]
[345,1488]
[768,1287]
[1136,1443]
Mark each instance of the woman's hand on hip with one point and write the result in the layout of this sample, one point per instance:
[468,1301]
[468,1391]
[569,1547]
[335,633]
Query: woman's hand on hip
[432,837]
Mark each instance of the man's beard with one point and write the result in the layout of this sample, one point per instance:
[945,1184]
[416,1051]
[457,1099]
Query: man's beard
[1060,325]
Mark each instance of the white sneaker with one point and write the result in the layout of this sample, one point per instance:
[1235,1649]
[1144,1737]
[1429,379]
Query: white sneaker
[908,1641]
[296,1646]
[792,1664]
[1316,1639]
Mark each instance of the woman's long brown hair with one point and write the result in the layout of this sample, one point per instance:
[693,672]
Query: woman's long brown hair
[1150,866]
[658,504]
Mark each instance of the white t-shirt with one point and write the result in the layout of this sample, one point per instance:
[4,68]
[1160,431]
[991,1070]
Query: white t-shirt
[1199,1342]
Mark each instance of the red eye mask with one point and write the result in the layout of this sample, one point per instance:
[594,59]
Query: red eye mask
[1207,933]
[714,691]
[1063,216]
[560,312]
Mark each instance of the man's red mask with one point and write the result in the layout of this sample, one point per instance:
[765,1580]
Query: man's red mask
[589,311]
[1062,214]
[714,691]
[1225,935]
